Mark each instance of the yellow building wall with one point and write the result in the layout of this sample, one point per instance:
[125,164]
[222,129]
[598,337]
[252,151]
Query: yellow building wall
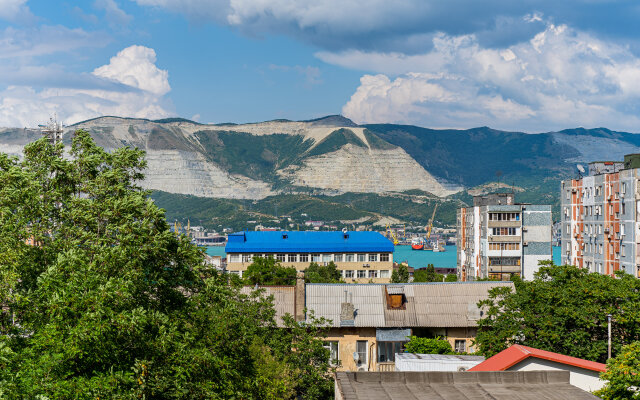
[354,266]
[347,338]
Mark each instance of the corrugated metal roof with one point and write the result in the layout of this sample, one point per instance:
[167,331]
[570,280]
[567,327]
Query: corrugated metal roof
[437,357]
[429,305]
[520,385]
[325,301]
[283,299]
[308,242]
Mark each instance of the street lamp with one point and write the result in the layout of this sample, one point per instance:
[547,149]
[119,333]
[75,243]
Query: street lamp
[609,341]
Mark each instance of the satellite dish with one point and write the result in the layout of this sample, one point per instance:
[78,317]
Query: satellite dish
[580,168]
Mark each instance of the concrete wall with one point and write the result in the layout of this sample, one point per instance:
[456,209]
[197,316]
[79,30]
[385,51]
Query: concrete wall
[585,379]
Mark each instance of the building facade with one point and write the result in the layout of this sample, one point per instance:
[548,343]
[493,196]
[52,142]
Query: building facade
[498,238]
[599,215]
[370,323]
[360,256]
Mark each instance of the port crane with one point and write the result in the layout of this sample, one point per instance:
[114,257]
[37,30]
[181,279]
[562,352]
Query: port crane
[431,221]
[392,235]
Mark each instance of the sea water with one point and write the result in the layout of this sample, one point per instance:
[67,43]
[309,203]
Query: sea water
[415,258]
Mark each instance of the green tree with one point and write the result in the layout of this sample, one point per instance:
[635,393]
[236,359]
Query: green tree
[451,278]
[322,273]
[101,300]
[563,309]
[428,274]
[400,275]
[421,345]
[268,271]
[622,374]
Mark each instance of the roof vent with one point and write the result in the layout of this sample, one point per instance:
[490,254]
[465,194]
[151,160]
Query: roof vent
[285,236]
[344,233]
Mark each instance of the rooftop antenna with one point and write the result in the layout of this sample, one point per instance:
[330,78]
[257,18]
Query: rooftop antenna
[581,170]
[53,130]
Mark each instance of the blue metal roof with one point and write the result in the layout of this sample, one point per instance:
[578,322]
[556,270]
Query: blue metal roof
[308,242]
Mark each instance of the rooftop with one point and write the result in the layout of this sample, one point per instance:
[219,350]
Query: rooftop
[308,242]
[521,385]
[439,305]
[517,353]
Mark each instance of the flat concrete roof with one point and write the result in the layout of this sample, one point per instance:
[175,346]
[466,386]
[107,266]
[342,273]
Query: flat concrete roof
[504,385]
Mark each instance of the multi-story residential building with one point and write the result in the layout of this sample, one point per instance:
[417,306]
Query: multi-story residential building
[360,256]
[599,214]
[498,238]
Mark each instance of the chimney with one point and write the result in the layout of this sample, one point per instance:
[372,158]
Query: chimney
[300,297]
[347,311]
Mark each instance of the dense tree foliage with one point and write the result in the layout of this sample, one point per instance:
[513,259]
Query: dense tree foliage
[322,273]
[564,310]
[427,274]
[268,271]
[400,275]
[101,300]
[421,345]
[622,375]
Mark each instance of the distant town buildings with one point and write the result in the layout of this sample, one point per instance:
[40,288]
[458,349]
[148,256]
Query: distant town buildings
[360,256]
[600,219]
[498,238]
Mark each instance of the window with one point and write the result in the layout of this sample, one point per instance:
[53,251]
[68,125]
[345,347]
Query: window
[315,258]
[361,349]
[373,273]
[246,258]
[337,257]
[362,257]
[460,346]
[304,257]
[234,257]
[349,257]
[281,257]
[624,188]
[362,273]
[384,257]
[622,250]
[348,273]
[373,257]
[327,257]
[600,248]
[334,354]
[387,351]
[292,257]
[623,208]
[384,273]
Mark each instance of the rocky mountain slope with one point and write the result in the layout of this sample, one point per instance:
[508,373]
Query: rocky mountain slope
[332,156]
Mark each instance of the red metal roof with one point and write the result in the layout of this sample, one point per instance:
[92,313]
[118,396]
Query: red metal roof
[517,353]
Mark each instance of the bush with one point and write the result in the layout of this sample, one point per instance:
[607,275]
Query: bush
[422,345]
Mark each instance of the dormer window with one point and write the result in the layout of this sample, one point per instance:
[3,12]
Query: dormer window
[396,300]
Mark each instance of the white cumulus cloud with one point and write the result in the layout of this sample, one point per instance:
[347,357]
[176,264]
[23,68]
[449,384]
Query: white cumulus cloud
[559,78]
[14,10]
[130,85]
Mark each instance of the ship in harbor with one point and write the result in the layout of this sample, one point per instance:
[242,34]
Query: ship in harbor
[417,243]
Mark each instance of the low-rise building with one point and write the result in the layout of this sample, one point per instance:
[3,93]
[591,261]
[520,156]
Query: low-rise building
[370,323]
[584,374]
[600,218]
[498,238]
[436,362]
[360,256]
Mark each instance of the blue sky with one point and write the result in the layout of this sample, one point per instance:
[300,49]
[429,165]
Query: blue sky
[527,66]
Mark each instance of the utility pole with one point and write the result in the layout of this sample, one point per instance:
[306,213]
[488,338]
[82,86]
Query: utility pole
[609,342]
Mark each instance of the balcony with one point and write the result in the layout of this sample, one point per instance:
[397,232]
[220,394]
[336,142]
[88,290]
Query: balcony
[504,238]
[504,268]
[504,224]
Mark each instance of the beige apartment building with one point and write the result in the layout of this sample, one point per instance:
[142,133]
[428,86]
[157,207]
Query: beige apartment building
[360,256]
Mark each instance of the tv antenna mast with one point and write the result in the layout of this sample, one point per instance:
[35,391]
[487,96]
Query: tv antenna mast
[53,130]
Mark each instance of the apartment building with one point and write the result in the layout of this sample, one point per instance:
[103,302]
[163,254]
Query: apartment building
[600,219]
[498,238]
[360,256]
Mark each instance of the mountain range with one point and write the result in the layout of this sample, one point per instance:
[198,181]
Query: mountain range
[336,161]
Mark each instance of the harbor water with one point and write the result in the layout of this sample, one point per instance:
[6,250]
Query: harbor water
[415,258]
